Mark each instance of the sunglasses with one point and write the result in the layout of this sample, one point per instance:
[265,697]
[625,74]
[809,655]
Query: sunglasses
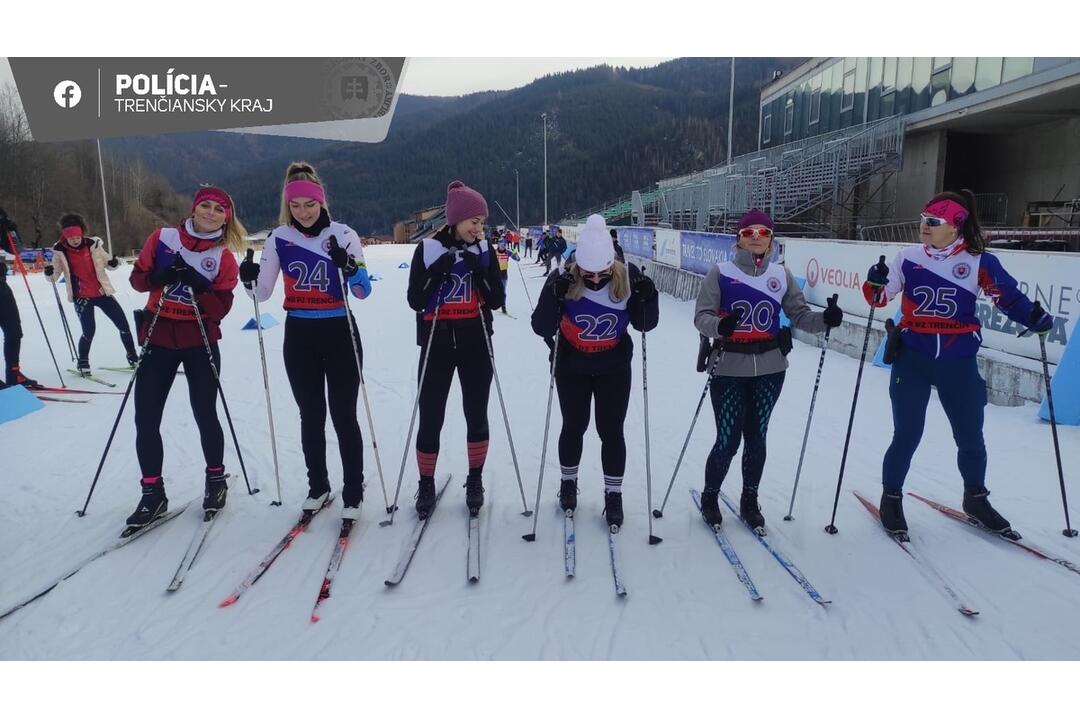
[749,232]
[932,221]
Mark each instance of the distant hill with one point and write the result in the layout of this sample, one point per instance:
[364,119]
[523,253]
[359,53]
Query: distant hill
[610,130]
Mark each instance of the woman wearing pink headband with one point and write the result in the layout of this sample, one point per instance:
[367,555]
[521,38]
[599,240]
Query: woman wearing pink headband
[187,268]
[81,261]
[936,343]
[312,253]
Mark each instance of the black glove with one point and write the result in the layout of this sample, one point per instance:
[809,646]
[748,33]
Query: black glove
[729,323]
[643,287]
[550,342]
[341,258]
[1039,322]
[833,315]
[878,275]
[249,269]
[439,269]
[48,271]
[164,277]
[113,263]
[561,285]
[190,277]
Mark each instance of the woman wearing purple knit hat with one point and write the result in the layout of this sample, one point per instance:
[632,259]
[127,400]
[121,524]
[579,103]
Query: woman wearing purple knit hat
[739,308]
[454,285]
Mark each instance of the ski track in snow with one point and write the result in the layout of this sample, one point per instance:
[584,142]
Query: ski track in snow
[684,601]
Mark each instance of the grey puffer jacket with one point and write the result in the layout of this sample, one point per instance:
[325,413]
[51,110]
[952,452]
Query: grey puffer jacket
[707,319]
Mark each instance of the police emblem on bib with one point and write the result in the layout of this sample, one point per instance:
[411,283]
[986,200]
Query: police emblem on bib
[208,264]
[326,245]
[961,271]
[773,284]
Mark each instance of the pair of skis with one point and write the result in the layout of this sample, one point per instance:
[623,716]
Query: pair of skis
[570,552]
[87,375]
[737,565]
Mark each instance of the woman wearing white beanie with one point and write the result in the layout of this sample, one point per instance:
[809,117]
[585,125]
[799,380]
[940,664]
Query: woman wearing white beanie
[586,309]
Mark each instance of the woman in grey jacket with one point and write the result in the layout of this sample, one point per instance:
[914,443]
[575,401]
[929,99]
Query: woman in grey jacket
[739,307]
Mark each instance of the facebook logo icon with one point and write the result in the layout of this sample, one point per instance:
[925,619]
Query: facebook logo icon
[67,94]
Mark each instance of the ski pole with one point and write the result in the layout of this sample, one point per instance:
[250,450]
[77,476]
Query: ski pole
[506,419]
[831,527]
[22,269]
[354,331]
[810,415]
[266,386]
[1068,531]
[64,321]
[701,401]
[127,394]
[416,404]
[221,392]
[653,539]
[547,426]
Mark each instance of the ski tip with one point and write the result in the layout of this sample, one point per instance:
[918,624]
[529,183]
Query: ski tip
[654,540]
[314,618]
[531,537]
[228,601]
[657,514]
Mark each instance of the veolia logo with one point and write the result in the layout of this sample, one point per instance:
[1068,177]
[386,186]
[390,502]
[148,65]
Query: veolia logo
[812,272]
[836,277]
[67,94]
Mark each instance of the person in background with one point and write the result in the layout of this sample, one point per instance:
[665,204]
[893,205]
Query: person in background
[10,322]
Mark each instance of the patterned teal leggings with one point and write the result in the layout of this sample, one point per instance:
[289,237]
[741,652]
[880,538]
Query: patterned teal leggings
[742,406]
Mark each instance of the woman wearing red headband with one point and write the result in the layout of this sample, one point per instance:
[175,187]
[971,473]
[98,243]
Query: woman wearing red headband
[82,260]
[936,344]
[739,304]
[183,268]
[309,250]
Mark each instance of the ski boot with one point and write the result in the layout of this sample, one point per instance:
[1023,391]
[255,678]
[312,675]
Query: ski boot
[980,511]
[568,495]
[152,505]
[892,513]
[710,508]
[613,512]
[82,366]
[217,488]
[15,377]
[474,492]
[352,499]
[425,496]
[318,495]
[751,511]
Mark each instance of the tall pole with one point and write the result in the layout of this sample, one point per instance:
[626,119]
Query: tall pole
[104,200]
[517,192]
[543,117]
[731,111]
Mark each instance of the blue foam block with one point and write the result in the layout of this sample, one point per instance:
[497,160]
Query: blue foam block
[266,320]
[16,401]
[879,356]
[1065,384]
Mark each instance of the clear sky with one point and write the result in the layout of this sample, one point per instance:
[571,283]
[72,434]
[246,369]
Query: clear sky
[460,76]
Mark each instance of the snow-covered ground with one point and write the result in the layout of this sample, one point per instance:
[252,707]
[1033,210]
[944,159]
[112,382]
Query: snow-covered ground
[684,601]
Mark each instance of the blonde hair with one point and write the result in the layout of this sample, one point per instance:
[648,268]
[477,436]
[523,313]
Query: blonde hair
[234,234]
[298,171]
[618,288]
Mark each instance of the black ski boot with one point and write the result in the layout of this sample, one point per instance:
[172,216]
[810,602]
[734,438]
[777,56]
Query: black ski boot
[152,504]
[474,492]
[568,495]
[217,488]
[613,509]
[892,513]
[710,508]
[83,366]
[979,509]
[425,496]
[751,510]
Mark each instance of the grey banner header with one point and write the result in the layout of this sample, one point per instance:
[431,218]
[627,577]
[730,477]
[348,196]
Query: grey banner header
[81,98]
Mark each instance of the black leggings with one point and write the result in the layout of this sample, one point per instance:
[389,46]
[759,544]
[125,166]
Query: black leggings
[457,346]
[84,308]
[320,363]
[742,406]
[152,384]
[11,325]
[612,393]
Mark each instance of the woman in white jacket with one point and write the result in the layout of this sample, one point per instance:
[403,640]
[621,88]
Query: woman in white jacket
[82,261]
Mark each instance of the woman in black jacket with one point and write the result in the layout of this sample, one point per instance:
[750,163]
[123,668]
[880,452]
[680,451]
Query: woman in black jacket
[583,313]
